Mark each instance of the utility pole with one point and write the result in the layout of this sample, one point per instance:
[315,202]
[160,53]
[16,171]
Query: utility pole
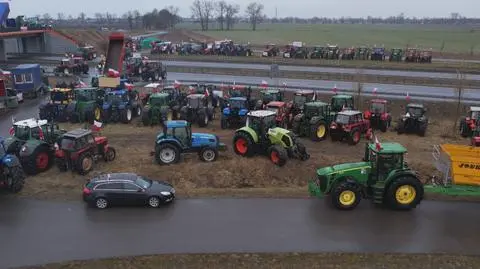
[276,13]
[461,81]
[358,86]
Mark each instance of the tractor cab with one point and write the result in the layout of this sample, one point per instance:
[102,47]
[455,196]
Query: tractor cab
[196,101]
[384,158]
[33,129]
[267,96]
[178,130]
[237,103]
[342,102]
[396,51]
[66,62]
[261,121]
[117,97]
[159,100]
[415,111]
[316,108]
[87,94]
[61,95]
[275,106]
[271,50]
[378,114]
[474,113]
[240,91]
[302,97]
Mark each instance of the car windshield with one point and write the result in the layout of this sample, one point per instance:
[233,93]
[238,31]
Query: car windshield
[143,182]
[67,144]
[22,132]
[377,107]
[272,108]
[158,101]
[299,99]
[237,104]
[342,119]
[114,98]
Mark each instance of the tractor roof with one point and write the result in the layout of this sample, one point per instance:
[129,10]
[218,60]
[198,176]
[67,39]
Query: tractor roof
[270,91]
[316,104]
[159,95]
[341,96]
[303,92]
[475,108]
[378,101]
[261,113]
[61,90]
[196,95]
[349,112]
[388,148]
[415,105]
[176,123]
[30,123]
[78,133]
[152,85]
[238,98]
[117,92]
[276,104]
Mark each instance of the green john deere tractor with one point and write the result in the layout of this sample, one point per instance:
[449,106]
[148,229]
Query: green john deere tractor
[87,105]
[261,136]
[396,55]
[33,142]
[341,102]
[318,52]
[383,176]
[313,121]
[362,53]
[267,96]
[159,108]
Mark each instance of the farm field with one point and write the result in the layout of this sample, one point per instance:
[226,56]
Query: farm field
[460,42]
[232,175]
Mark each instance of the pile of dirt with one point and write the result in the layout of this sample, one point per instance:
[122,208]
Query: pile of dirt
[86,37]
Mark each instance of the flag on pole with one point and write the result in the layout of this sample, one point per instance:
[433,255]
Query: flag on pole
[233,85]
[314,98]
[207,94]
[408,97]
[375,91]
[335,89]
[177,84]
[378,145]
[264,84]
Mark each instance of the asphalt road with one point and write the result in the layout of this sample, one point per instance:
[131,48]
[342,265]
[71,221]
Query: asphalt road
[37,232]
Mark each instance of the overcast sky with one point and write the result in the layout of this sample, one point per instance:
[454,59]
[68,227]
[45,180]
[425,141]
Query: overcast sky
[298,8]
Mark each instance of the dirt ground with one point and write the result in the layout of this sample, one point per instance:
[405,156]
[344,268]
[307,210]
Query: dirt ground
[236,176]
[278,261]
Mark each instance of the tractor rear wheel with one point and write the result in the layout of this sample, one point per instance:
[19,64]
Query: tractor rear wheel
[224,123]
[243,144]
[202,119]
[400,127]
[126,115]
[278,155]
[146,117]
[318,131]
[404,193]
[354,137]
[345,196]
[110,154]
[39,161]
[84,163]
[167,154]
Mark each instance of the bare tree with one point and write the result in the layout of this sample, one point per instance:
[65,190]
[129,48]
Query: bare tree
[82,16]
[231,12]
[47,17]
[202,10]
[137,17]
[60,16]
[221,8]
[174,12]
[100,17]
[255,14]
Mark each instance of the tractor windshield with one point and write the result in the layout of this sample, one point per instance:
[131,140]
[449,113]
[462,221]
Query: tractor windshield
[311,111]
[83,95]
[377,107]
[342,119]
[58,96]
[67,143]
[475,115]
[115,98]
[158,101]
[238,104]
[415,111]
[299,100]
[194,102]
[272,108]
[22,132]
[338,104]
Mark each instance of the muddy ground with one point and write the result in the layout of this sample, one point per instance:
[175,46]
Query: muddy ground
[236,176]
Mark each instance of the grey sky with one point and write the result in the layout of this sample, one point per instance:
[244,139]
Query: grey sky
[299,8]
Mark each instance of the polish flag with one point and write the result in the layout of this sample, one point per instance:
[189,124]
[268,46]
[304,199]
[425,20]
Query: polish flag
[11,131]
[264,84]
[207,94]
[335,88]
[375,91]
[408,97]
[97,126]
[233,87]
[314,98]
[177,84]
[378,145]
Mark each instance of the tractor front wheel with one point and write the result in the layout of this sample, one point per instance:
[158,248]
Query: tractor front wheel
[208,154]
[224,123]
[84,163]
[167,154]
[384,126]
[146,117]
[354,137]
[110,154]
[345,196]
[404,193]
[243,144]
[126,115]
[278,155]
[318,131]
[202,119]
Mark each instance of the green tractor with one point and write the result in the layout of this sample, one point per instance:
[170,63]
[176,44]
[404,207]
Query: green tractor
[383,176]
[33,142]
[396,55]
[313,121]
[341,102]
[267,96]
[261,136]
[159,108]
[87,105]
[362,53]
[318,52]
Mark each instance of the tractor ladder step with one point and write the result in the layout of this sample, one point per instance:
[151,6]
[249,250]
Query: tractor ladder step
[378,192]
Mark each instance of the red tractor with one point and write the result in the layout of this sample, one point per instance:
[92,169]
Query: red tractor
[378,114]
[475,142]
[79,149]
[281,109]
[350,125]
[468,124]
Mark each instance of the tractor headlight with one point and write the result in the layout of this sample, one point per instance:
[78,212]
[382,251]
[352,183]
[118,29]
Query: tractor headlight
[24,148]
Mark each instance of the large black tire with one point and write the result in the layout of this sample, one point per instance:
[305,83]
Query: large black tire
[39,161]
[138,111]
[84,163]
[345,196]
[17,177]
[278,155]
[61,164]
[243,144]
[354,137]
[110,155]
[208,154]
[224,123]
[394,193]
[384,126]
[400,127]
[126,115]
[167,150]
[464,131]
[202,119]
[422,129]
[146,117]
[318,131]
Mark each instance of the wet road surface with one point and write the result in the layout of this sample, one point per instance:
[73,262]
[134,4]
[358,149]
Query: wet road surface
[36,232]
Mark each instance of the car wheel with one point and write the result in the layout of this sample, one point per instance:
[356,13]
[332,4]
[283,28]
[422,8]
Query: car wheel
[154,202]
[101,203]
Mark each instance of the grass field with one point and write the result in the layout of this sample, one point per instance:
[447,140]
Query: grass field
[453,39]
[278,261]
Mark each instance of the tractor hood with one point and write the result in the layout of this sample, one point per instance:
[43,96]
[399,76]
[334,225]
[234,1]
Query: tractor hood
[241,111]
[344,167]
[204,137]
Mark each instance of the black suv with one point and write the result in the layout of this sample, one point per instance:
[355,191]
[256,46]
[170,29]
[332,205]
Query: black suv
[126,189]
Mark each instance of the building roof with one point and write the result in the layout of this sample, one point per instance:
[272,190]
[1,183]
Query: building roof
[30,123]
[261,113]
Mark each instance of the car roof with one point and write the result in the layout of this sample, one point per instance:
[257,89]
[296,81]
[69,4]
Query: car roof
[76,133]
[31,123]
[176,123]
[388,147]
[276,104]
[238,98]
[261,113]
[349,112]
[113,177]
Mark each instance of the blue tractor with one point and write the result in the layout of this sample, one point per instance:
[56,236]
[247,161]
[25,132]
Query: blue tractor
[235,113]
[177,138]
[12,177]
[378,54]
[120,106]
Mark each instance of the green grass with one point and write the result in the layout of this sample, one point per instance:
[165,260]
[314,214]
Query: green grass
[455,39]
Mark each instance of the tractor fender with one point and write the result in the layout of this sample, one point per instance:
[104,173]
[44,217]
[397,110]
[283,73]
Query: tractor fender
[29,147]
[11,161]
[171,141]
[399,173]
[249,131]
[348,179]
[315,120]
